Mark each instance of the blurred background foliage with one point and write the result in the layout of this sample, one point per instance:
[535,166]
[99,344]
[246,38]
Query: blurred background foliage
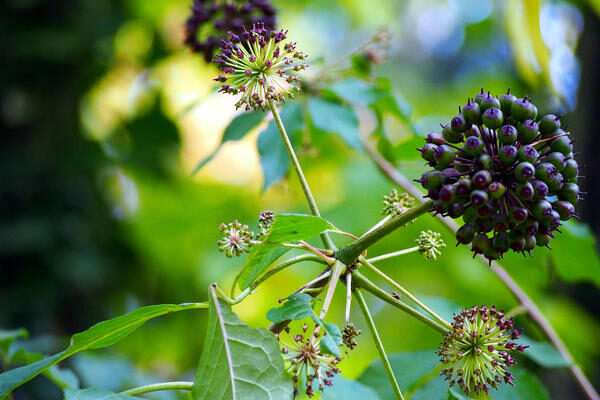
[105,115]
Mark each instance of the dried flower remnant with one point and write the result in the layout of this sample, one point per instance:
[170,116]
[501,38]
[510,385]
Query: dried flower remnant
[476,352]
[260,67]
[306,362]
[237,239]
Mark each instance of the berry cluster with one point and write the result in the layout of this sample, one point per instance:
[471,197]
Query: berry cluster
[507,174]
[476,350]
[306,362]
[210,21]
[259,66]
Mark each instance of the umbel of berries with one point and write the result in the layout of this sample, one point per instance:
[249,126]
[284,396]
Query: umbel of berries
[511,176]
[259,66]
[210,20]
[476,353]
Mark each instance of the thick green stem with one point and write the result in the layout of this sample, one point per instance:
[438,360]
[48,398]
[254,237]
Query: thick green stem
[284,265]
[408,294]
[156,387]
[350,253]
[362,282]
[305,188]
[382,354]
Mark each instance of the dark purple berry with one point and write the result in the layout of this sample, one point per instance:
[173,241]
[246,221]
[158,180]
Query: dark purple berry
[463,187]
[484,212]
[459,123]
[473,146]
[500,241]
[541,209]
[500,222]
[435,138]
[456,210]
[516,240]
[447,193]
[427,151]
[465,234]
[540,189]
[530,226]
[564,209]
[482,178]
[479,198]
[518,215]
[432,180]
[481,243]
[525,191]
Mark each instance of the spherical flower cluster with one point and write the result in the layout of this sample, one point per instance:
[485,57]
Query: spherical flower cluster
[302,352]
[237,239]
[511,177]
[260,66]
[430,244]
[220,17]
[477,350]
[265,220]
[397,203]
[349,334]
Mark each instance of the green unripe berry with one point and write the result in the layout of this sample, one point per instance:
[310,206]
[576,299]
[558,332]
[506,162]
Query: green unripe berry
[473,146]
[481,178]
[507,134]
[481,243]
[571,169]
[484,161]
[427,151]
[528,153]
[541,209]
[458,123]
[548,124]
[432,180]
[564,209]
[529,243]
[522,109]
[472,112]
[569,192]
[444,155]
[545,172]
[501,242]
[492,118]
[506,102]
[508,154]
[557,159]
[496,190]
[528,131]
[500,222]
[479,198]
[489,101]
[516,240]
[562,145]
[470,215]
[524,171]
[491,253]
[479,97]
[451,135]
[542,239]
[556,182]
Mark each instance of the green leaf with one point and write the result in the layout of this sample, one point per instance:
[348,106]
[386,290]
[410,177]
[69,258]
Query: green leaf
[574,254]
[7,337]
[355,91]
[595,5]
[297,306]
[100,335]
[236,130]
[274,158]
[293,227]
[410,369]
[330,343]
[337,118]
[257,262]
[345,389]
[454,395]
[543,353]
[239,362]
[95,394]
[527,387]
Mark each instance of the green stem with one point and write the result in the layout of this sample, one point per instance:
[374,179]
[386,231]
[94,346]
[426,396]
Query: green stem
[156,387]
[350,253]
[362,282]
[394,254]
[408,294]
[284,265]
[305,188]
[382,354]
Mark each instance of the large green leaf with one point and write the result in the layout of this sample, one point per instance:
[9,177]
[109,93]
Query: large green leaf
[257,262]
[236,130]
[7,337]
[345,389]
[100,335]
[355,91]
[95,394]
[292,227]
[274,158]
[543,353]
[574,254]
[297,306]
[239,362]
[527,387]
[285,228]
[328,116]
